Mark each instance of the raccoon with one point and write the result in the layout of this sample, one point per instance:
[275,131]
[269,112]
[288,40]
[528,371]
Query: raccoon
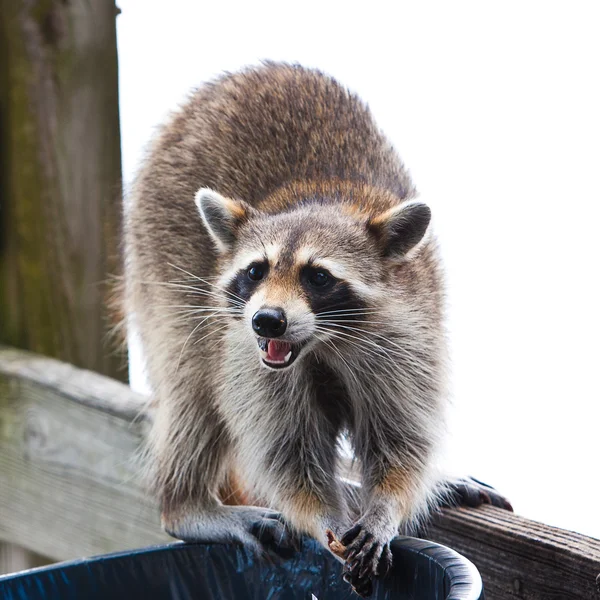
[287,289]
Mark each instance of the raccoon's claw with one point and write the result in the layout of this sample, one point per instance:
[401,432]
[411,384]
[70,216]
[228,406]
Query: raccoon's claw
[363,587]
[473,493]
[351,535]
[366,557]
[385,562]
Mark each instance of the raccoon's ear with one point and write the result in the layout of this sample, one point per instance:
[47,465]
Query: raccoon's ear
[221,216]
[401,228]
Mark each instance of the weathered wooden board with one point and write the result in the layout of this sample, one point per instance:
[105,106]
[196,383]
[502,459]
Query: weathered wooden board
[69,486]
[69,480]
[520,558]
[60,180]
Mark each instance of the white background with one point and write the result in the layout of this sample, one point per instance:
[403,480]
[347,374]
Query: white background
[494,108]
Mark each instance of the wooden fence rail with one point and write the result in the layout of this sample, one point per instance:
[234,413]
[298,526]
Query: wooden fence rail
[70,487]
[69,482]
[60,181]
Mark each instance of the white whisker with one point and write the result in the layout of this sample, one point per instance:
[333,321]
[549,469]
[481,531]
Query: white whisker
[325,321]
[197,308]
[406,356]
[347,311]
[332,346]
[209,283]
[194,291]
[209,333]
[374,350]
[185,344]
[339,335]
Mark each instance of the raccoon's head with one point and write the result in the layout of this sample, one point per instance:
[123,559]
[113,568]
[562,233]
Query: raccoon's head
[300,274]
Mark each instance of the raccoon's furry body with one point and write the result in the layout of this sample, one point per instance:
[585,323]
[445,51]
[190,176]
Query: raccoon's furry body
[304,212]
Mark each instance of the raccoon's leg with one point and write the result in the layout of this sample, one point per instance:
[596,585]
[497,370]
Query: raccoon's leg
[393,491]
[367,542]
[192,449]
[303,482]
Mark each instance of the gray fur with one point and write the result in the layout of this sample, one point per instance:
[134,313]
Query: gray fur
[318,182]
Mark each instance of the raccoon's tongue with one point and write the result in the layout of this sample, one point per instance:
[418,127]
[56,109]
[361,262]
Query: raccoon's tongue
[278,351]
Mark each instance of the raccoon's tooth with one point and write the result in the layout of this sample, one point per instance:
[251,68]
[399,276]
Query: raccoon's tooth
[287,357]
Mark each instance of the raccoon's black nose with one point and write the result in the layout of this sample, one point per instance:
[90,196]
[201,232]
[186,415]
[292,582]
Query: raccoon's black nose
[269,322]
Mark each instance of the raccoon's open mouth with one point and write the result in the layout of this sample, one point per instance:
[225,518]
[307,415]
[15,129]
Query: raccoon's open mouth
[278,354]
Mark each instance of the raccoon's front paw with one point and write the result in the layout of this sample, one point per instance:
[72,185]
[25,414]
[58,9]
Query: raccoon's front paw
[367,555]
[257,528]
[273,533]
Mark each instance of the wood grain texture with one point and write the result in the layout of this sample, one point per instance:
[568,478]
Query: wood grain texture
[60,177]
[79,385]
[520,558]
[69,476]
[60,174]
[70,486]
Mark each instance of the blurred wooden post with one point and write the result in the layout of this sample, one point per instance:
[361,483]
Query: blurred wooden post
[60,178]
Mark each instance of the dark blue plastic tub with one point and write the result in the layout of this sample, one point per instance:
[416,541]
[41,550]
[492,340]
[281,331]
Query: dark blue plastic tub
[422,571]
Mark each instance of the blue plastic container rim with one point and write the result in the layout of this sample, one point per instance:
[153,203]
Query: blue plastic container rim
[422,570]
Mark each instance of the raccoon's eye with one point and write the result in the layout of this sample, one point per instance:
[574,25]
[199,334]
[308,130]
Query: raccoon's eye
[256,272]
[319,278]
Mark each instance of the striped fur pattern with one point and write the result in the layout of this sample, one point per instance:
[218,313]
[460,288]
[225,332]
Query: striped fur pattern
[265,184]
